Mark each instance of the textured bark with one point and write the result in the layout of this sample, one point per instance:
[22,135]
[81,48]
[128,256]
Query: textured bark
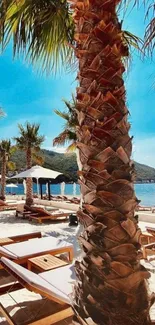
[3,176]
[29,182]
[111,289]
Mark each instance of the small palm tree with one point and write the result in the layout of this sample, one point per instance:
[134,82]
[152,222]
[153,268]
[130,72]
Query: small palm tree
[30,141]
[6,150]
[68,135]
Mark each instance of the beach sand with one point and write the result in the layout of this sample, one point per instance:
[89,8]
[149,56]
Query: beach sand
[24,304]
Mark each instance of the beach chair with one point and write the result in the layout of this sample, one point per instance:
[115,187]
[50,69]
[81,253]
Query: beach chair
[22,251]
[143,208]
[5,206]
[39,214]
[58,215]
[56,285]
[19,238]
[21,211]
[26,211]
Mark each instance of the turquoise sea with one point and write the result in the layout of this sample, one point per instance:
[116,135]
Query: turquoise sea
[144,192]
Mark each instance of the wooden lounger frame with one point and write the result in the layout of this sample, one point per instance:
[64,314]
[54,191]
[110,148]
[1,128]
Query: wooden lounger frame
[57,251]
[23,237]
[151,230]
[148,250]
[146,238]
[30,212]
[41,218]
[8,207]
[20,238]
[64,312]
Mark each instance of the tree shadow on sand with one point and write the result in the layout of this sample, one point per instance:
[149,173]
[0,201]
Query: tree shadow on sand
[29,311]
[71,236]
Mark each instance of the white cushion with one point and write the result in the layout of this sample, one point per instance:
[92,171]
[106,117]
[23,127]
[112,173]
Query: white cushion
[56,283]
[32,247]
[5,252]
[62,279]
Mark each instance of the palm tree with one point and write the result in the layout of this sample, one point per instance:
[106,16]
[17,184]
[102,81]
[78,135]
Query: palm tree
[111,287]
[30,141]
[68,135]
[6,150]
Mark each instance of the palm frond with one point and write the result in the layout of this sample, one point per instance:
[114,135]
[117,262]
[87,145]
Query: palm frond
[37,158]
[40,29]
[7,150]
[13,150]
[29,136]
[133,42]
[71,147]
[64,115]
[11,165]
[149,36]
[69,133]
[64,137]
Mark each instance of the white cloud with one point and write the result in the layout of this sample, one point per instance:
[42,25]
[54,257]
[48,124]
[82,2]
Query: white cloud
[57,149]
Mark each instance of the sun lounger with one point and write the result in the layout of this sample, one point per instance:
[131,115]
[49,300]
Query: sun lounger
[39,214]
[143,208]
[19,238]
[21,211]
[24,210]
[5,206]
[32,211]
[21,252]
[54,215]
[56,285]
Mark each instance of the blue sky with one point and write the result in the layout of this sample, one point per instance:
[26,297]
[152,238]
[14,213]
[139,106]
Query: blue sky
[28,96]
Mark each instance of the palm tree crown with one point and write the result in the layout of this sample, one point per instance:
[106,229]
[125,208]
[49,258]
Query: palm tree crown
[29,141]
[68,135]
[29,137]
[7,149]
[5,146]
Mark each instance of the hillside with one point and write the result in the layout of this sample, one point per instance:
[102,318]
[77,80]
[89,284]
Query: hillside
[66,163]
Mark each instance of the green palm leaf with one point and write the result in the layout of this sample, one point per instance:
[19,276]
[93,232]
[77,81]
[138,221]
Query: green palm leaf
[40,29]
[29,137]
[68,135]
[7,150]
[11,165]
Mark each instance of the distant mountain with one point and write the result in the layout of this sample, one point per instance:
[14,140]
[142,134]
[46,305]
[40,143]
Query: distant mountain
[66,163]
[144,172]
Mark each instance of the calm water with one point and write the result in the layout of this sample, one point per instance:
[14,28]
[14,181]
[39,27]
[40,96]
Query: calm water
[144,192]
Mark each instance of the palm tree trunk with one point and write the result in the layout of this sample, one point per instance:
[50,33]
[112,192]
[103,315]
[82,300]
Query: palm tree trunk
[29,183]
[111,287]
[3,177]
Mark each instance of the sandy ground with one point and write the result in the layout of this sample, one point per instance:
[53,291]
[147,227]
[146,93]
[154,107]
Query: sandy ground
[24,305]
